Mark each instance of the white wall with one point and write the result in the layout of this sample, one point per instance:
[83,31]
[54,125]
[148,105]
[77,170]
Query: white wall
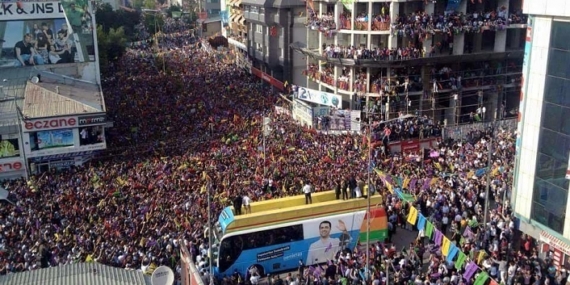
[531,107]
[547,7]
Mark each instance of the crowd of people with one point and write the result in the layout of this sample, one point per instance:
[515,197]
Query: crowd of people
[420,23]
[179,115]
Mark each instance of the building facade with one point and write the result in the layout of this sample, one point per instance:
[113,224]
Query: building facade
[261,32]
[52,110]
[446,59]
[541,183]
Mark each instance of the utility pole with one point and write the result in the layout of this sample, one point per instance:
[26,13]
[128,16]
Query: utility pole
[490,149]
[368,198]
[210,257]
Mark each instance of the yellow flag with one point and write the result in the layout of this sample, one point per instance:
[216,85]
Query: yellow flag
[390,188]
[406,182]
[495,172]
[452,167]
[438,166]
[481,255]
[445,246]
[433,181]
[412,215]
[470,174]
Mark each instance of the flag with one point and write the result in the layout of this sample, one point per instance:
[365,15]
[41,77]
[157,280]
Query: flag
[438,237]
[453,250]
[460,260]
[467,232]
[445,246]
[412,215]
[406,183]
[429,229]
[481,255]
[438,166]
[470,270]
[433,181]
[390,188]
[481,278]
[421,222]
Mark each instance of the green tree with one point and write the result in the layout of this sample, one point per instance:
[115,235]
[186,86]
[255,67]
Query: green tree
[109,18]
[149,4]
[153,22]
[112,45]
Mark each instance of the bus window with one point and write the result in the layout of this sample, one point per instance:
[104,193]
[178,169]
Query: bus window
[231,247]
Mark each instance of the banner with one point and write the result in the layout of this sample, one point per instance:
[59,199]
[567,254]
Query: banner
[302,112]
[80,22]
[31,10]
[318,97]
[268,78]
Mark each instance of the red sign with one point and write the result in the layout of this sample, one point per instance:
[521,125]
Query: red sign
[268,78]
[47,124]
[410,146]
[11,166]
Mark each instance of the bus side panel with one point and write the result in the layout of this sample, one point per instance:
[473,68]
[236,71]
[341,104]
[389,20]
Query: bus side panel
[323,244]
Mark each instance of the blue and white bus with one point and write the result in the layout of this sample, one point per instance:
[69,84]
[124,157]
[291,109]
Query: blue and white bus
[295,234]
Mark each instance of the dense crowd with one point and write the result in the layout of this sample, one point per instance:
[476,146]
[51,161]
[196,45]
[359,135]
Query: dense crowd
[421,24]
[178,113]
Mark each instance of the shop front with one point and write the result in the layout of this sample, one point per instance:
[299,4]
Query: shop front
[12,168]
[557,249]
[61,142]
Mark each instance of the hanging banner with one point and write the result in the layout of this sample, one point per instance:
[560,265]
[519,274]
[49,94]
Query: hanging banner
[31,10]
[318,97]
[268,78]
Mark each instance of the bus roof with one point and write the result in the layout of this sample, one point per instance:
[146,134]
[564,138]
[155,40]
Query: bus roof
[289,211]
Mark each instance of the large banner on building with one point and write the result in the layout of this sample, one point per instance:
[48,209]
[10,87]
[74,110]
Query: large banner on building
[318,97]
[302,113]
[40,33]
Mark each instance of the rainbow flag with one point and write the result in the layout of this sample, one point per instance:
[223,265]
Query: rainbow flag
[378,225]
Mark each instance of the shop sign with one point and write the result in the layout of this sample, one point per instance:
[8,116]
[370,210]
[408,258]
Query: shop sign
[50,124]
[10,166]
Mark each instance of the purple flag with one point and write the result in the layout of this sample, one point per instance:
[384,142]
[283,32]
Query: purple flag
[470,270]
[467,231]
[389,179]
[413,184]
[426,184]
[438,237]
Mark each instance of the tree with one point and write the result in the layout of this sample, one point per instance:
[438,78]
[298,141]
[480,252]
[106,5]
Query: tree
[108,19]
[112,45]
[149,4]
[173,8]
[153,22]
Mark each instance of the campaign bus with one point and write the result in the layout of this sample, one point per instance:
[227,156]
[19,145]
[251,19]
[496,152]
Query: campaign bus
[276,240]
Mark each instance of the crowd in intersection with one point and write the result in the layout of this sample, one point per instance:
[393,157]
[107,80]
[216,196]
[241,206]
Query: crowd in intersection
[179,113]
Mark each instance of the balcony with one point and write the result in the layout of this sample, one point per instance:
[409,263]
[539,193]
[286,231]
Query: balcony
[413,24]
[378,24]
[327,78]
[323,23]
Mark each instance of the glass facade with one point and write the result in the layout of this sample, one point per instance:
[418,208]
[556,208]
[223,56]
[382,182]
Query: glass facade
[550,193]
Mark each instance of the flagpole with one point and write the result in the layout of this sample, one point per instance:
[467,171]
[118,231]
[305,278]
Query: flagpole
[368,198]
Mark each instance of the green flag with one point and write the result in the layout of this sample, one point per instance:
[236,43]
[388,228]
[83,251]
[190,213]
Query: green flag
[461,257]
[481,278]
[429,229]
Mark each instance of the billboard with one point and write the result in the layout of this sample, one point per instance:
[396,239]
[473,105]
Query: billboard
[318,97]
[39,33]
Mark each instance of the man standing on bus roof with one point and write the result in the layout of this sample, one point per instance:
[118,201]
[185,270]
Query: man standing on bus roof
[307,189]
[326,247]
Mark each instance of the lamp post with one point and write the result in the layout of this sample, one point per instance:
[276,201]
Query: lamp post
[489,157]
[369,194]
[210,258]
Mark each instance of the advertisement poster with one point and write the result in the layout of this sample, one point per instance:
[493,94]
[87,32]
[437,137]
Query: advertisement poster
[38,33]
[51,139]
[318,97]
[326,236]
[340,120]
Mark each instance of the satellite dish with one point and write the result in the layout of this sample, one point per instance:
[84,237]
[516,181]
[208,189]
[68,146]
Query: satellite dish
[35,79]
[162,275]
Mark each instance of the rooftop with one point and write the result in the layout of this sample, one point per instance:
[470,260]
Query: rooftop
[54,95]
[79,273]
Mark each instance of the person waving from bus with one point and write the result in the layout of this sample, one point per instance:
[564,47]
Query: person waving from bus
[326,247]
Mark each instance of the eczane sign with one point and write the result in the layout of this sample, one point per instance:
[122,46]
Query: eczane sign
[50,124]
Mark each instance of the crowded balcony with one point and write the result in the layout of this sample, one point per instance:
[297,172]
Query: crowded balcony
[420,23]
[322,23]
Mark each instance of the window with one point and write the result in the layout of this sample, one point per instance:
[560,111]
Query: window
[261,10]
[259,28]
[259,47]
[51,139]
[91,135]
[9,147]
[282,53]
[231,247]
[550,194]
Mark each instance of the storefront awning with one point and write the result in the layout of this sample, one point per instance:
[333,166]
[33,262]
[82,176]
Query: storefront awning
[555,242]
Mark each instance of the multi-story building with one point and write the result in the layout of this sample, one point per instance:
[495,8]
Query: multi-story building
[542,172]
[447,59]
[263,31]
[52,111]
